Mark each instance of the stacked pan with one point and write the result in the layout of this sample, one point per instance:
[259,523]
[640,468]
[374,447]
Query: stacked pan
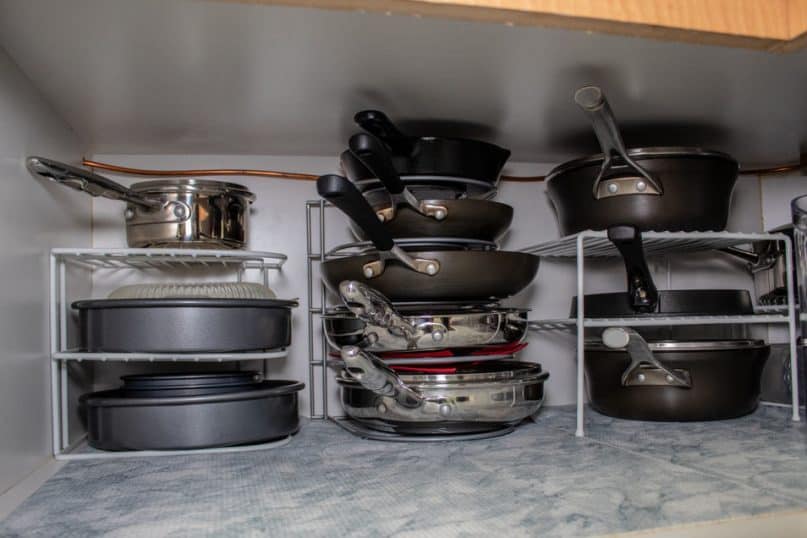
[422,344]
[627,191]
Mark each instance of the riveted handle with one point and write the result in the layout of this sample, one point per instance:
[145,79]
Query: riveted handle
[593,103]
[642,292]
[86,181]
[377,377]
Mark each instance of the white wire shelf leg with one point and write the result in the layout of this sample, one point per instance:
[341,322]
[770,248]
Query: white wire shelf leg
[791,326]
[54,371]
[580,431]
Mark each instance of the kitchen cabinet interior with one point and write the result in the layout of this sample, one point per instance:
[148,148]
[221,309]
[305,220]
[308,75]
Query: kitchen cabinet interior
[208,84]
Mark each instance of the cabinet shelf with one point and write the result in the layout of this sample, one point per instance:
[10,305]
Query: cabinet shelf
[234,264]
[566,324]
[168,357]
[597,244]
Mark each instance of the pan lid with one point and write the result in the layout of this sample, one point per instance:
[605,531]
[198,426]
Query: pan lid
[205,186]
[642,154]
[691,345]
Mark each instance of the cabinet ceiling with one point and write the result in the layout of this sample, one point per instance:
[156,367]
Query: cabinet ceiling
[183,76]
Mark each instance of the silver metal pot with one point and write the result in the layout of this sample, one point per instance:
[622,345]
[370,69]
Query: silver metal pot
[179,213]
[374,324]
[475,399]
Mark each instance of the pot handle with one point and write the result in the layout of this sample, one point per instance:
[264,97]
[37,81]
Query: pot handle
[84,180]
[637,374]
[375,376]
[642,292]
[373,308]
[378,124]
[344,195]
[592,101]
[372,154]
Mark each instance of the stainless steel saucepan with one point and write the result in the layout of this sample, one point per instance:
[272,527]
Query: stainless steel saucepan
[374,324]
[474,399]
[179,213]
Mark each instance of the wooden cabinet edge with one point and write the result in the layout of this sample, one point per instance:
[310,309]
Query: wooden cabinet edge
[475,10]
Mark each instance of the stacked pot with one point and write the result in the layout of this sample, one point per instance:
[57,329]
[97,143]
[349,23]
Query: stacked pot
[643,374]
[423,345]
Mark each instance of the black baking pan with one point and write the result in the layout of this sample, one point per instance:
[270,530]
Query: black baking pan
[184,325]
[261,413]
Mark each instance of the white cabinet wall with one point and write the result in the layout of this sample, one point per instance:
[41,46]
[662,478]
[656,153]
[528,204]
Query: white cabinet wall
[35,217]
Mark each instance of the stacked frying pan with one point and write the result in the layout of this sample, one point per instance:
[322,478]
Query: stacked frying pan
[423,345]
[626,192]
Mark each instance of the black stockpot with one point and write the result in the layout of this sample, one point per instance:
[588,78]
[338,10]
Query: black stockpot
[697,186]
[724,377]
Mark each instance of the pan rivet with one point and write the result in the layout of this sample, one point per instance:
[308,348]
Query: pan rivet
[431,269]
[437,336]
[445,410]
[641,186]
[440,214]
[669,378]
[368,272]
[381,217]
[613,187]
[128,214]
[641,378]
[180,212]
[381,408]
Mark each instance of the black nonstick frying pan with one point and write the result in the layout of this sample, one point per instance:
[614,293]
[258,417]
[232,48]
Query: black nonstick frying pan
[420,275]
[431,155]
[404,215]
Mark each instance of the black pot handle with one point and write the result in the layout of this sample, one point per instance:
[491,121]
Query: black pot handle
[592,101]
[642,292]
[343,194]
[377,123]
[371,152]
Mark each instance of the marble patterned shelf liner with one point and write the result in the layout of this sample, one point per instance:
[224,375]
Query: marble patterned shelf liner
[538,481]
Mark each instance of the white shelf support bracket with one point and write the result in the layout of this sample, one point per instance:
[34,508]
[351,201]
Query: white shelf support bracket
[581,315]
[792,329]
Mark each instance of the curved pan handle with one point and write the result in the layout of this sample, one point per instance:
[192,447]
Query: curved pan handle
[641,356]
[89,182]
[377,123]
[373,308]
[344,195]
[593,102]
[372,154]
[642,291]
[375,376]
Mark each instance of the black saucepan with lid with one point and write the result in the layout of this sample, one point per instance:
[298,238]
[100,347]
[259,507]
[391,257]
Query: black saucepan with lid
[630,191]
[673,380]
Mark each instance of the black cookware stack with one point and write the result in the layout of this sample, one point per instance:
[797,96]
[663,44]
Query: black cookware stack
[421,290]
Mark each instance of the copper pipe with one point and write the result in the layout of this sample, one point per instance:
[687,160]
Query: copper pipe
[312,177]
[523,179]
[773,170]
[205,172]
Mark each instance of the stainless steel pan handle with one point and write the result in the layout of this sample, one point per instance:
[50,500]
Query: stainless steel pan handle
[375,376]
[638,373]
[592,101]
[89,182]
